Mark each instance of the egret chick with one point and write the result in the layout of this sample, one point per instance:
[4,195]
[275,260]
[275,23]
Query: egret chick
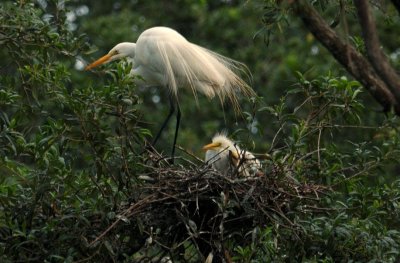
[225,156]
[163,57]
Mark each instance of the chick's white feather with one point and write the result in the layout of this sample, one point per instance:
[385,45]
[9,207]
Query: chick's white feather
[223,157]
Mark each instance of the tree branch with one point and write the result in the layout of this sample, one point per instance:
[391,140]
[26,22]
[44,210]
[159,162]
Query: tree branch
[375,54]
[347,55]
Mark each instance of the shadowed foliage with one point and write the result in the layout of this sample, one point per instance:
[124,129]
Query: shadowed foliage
[79,181]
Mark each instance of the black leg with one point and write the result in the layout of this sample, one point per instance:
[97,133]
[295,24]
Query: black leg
[178,120]
[171,111]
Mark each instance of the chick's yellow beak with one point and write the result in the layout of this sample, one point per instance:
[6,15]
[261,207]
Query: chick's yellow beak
[98,62]
[211,146]
[235,155]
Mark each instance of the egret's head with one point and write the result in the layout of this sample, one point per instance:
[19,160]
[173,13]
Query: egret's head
[221,143]
[121,50]
[224,155]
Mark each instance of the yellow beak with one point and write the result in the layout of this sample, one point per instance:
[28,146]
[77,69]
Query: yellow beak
[98,62]
[211,146]
[235,155]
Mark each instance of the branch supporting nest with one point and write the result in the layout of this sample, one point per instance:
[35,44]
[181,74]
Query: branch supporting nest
[198,205]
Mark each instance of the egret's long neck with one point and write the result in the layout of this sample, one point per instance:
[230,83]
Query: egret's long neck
[130,49]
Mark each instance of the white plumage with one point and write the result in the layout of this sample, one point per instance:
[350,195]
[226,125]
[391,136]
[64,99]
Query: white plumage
[226,157]
[162,56]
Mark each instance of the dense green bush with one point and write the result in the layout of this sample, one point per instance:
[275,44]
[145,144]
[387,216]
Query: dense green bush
[68,151]
[357,218]
[72,148]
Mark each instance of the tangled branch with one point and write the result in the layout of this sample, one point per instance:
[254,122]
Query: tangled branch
[200,206]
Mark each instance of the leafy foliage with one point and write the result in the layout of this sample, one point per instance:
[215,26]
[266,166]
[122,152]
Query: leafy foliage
[351,222]
[60,144]
[72,145]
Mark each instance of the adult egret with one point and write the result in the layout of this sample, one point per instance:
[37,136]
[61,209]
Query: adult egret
[163,57]
[225,156]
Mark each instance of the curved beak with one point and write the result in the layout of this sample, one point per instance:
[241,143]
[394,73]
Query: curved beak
[211,146]
[98,62]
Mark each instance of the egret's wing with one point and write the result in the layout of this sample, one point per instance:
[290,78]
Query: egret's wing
[185,64]
[251,165]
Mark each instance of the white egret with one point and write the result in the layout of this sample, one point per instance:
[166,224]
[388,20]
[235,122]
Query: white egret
[225,156]
[163,57]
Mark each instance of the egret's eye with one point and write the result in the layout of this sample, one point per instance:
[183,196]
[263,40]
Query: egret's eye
[114,52]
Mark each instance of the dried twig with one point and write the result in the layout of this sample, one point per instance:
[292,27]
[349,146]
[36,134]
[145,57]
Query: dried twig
[196,204]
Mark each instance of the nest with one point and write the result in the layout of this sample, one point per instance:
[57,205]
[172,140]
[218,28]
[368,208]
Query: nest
[192,205]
